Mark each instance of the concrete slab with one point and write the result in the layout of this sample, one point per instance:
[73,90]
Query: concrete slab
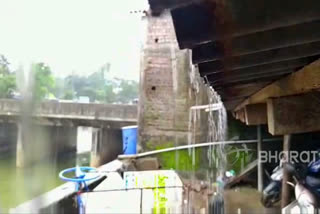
[138,192]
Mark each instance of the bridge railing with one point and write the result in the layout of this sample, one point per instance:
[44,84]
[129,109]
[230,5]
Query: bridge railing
[72,110]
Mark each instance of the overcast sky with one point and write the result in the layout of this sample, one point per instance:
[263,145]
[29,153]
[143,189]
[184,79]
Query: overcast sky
[73,35]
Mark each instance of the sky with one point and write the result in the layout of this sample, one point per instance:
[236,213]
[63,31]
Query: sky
[73,36]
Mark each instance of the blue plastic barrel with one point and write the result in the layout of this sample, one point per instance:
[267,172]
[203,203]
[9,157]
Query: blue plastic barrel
[129,139]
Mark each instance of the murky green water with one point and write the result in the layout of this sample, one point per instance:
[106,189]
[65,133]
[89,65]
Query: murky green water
[19,185]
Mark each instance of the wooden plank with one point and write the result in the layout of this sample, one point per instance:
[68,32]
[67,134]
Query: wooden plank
[302,81]
[249,169]
[294,114]
[256,114]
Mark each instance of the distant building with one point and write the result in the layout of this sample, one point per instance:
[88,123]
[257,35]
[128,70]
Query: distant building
[83,99]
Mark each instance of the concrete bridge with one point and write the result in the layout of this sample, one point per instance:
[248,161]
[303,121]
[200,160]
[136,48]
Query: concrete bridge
[54,127]
[71,114]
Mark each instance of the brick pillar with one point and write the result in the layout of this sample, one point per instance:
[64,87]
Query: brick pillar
[165,90]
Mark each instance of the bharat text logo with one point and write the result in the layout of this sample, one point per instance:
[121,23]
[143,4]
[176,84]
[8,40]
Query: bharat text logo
[290,156]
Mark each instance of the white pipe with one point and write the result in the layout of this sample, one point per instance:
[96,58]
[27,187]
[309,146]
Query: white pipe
[192,146]
[210,107]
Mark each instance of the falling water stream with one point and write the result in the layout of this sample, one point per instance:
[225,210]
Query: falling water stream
[217,131]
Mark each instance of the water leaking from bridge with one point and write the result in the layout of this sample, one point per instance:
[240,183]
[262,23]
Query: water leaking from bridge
[216,131]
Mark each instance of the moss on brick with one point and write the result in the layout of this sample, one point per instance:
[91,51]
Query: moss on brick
[179,160]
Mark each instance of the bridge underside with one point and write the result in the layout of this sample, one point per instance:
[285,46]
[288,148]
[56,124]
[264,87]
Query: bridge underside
[261,56]
[250,51]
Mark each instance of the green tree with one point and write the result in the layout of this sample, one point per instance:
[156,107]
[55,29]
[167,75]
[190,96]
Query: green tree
[96,80]
[68,95]
[7,85]
[94,86]
[7,79]
[98,88]
[110,96]
[4,65]
[129,90]
[44,83]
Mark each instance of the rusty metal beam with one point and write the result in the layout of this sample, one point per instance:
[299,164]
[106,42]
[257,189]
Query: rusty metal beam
[262,58]
[231,77]
[302,81]
[287,64]
[261,41]
[200,23]
[216,81]
[229,93]
[258,78]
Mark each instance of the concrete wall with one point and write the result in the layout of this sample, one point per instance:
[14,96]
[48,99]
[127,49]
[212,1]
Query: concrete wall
[166,92]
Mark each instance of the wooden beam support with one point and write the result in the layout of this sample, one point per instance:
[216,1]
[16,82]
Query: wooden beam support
[256,114]
[285,192]
[260,164]
[294,114]
[302,81]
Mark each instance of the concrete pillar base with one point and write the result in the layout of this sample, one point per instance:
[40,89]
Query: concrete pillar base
[106,146]
[37,143]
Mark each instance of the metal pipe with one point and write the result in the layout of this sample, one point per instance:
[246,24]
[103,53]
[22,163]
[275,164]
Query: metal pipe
[144,154]
[260,165]
[209,107]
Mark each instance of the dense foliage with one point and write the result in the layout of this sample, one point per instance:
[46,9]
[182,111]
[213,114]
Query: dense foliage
[97,87]
[7,79]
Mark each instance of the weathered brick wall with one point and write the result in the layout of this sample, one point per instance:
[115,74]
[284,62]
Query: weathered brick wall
[165,90]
